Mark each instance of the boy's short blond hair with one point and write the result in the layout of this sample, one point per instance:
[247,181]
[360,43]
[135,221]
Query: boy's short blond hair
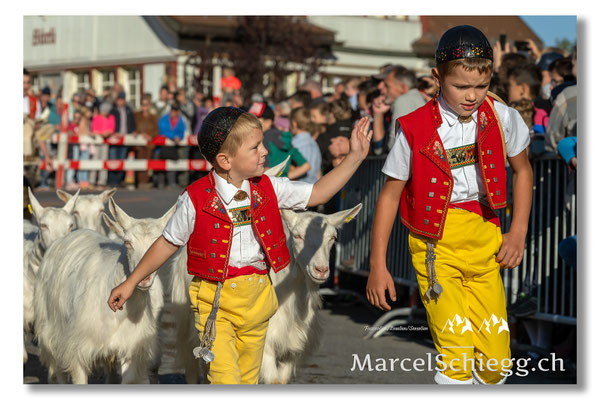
[243,126]
[482,65]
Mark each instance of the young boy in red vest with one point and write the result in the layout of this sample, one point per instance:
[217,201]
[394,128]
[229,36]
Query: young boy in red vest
[231,224]
[446,173]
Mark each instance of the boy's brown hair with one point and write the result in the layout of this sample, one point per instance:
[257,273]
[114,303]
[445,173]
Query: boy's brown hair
[245,124]
[301,116]
[482,65]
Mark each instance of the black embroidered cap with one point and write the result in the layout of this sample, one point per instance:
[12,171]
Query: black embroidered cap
[463,41]
[215,128]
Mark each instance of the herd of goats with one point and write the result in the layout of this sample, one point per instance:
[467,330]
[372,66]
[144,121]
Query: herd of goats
[71,262]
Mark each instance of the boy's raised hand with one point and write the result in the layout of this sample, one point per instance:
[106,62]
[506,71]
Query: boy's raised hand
[360,140]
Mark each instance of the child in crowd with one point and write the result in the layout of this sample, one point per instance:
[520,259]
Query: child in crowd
[103,124]
[80,127]
[333,122]
[234,233]
[523,86]
[279,144]
[170,126]
[446,173]
[302,129]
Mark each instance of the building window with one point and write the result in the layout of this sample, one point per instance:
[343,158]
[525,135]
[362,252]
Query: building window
[135,87]
[108,80]
[83,81]
[35,84]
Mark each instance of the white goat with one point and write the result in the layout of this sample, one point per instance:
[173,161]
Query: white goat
[76,329]
[50,225]
[89,210]
[294,330]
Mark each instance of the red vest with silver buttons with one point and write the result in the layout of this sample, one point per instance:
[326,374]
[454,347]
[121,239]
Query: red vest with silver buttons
[210,243]
[426,196]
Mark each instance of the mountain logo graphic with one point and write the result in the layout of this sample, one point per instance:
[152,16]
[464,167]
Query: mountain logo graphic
[456,322]
[492,322]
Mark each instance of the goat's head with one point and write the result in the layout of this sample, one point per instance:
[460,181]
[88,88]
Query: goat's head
[89,208]
[54,223]
[137,234]
[311,237]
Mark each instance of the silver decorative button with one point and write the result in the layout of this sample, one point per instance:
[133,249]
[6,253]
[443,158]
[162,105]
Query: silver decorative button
[426,222]
[433,180]
[430,194]
[216,226]
[489,152]
[492,166]
[212,255]
[233,285]
[260,280]
[213,241]
[427,208]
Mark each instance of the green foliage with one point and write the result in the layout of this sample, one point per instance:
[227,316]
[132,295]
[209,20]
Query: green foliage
[564,44]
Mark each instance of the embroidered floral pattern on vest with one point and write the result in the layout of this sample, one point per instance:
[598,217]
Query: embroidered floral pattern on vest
[439,149]
[256,198]
[216,204]
[483,121]
[461,156]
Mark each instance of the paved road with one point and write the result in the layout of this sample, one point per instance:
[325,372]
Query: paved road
[345,319]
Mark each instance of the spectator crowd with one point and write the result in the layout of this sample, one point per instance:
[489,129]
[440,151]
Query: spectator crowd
[310,126]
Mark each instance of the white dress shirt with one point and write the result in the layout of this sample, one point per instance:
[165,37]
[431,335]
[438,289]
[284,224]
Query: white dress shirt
[245,247]
[468,184]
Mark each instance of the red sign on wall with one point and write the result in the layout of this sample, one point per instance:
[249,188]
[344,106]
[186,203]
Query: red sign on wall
[41,37]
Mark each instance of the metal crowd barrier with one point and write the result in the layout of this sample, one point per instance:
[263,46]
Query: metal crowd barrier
[542,273]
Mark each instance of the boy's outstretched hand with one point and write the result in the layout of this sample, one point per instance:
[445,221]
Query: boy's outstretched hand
[360,140]
[119,295]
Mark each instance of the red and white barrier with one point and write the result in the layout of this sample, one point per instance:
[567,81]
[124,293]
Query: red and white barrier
[61,163]
[125,140]
[129,165]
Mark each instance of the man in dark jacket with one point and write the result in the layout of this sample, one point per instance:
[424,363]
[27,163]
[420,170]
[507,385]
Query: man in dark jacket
[124,124]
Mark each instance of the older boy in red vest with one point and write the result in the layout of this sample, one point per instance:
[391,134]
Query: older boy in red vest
[447,173]
[231,223]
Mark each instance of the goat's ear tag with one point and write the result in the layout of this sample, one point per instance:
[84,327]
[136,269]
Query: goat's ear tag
[29,208]
[349,218]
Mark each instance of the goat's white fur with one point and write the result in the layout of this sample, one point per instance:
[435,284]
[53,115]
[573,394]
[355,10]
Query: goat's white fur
[50,225]
[295,329]
[76,329]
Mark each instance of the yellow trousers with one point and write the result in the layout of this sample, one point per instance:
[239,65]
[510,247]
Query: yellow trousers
[468,322]
[246,304]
